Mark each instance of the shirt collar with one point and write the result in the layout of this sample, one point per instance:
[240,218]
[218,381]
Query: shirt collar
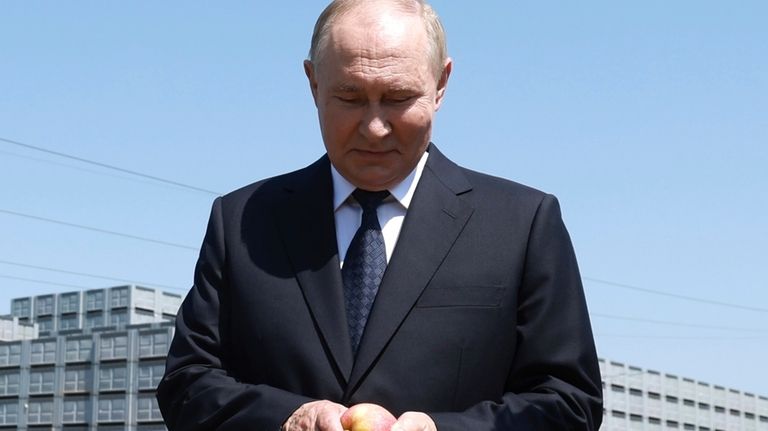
[402,192]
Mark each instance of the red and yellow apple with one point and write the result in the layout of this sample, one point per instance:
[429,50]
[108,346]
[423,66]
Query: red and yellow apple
[367,417]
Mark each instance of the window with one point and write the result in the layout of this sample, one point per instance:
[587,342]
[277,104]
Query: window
[43,352]
[40,412]
[41,381]
[673,424]
[112,378]
[9,412]
[749,415]
[44,305]
[79,350]
[654,395]
[735,412]
[21,308]
[635,392]
[119,297]
[111,409]
[719,409]
[635,418]
[74,410]
[9,383]
[94,320]
[118,318]
[654,421]
[153,344]
[114,347]
[618,388]
[10,354]
[147,409]
[94,300]
[69,303]
[704,406]
[76,380]
[150,375]
[618,414]
[69,322]
[688,403]
[45,324]
[671,399]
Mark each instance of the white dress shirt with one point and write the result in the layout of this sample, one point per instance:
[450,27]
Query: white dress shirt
[348,214]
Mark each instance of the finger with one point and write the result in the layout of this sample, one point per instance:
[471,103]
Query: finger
[329,417]
[414,421]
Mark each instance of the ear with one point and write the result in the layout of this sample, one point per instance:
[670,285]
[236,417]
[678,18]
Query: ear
[443,83]
[309,70]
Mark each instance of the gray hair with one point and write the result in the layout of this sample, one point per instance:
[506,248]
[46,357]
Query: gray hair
[438,51]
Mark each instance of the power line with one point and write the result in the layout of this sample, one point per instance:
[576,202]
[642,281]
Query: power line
[187,247]
[107,166]
[95,229]
[674,295]
[210,192]
[51,283]
[85,274]
[670,323]
[91,171]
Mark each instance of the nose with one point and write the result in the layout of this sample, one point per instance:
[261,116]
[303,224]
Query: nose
[375,126]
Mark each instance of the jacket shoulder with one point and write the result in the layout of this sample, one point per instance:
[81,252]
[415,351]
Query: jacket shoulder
[270,189]
[482,186]
[502,190]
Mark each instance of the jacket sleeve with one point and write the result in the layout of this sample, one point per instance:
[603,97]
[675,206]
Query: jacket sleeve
[554,381]
[197,392]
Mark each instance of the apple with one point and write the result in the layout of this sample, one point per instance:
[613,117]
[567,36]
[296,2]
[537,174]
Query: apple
[367,417]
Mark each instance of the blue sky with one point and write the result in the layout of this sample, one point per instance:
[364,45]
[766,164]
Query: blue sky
[648,120]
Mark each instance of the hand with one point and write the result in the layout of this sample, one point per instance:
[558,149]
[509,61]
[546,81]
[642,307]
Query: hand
[320,415]
[414,421]
[367,417]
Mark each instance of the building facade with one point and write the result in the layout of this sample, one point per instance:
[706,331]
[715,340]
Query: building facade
[638,399]
[92,360]
[85,361]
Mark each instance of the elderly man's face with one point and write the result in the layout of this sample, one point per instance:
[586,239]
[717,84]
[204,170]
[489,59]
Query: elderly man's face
[376,94]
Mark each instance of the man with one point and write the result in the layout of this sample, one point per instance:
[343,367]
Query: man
[452,299]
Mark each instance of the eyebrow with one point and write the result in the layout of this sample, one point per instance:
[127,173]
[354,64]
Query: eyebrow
[346,88]
[352,88]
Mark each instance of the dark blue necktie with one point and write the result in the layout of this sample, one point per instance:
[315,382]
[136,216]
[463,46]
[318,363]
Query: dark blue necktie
[364,265]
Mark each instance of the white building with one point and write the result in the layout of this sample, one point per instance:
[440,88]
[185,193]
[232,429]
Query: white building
[91,361]
[11,329]
[94,365]
[637,399]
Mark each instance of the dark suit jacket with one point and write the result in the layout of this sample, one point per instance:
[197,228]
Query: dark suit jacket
[480,320]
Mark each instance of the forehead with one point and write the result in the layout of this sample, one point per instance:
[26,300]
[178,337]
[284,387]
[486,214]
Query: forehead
[371,41]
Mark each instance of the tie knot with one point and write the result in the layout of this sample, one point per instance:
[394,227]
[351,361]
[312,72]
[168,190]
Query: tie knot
[369,200]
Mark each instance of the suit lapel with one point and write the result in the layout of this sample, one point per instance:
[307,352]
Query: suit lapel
[306,222]
[434,220]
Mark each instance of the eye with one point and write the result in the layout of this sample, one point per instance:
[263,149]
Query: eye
[351,100]
[400,98]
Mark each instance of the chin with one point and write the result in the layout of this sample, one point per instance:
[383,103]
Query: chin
[379,183]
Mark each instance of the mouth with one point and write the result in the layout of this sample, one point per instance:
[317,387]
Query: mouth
[373,153]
